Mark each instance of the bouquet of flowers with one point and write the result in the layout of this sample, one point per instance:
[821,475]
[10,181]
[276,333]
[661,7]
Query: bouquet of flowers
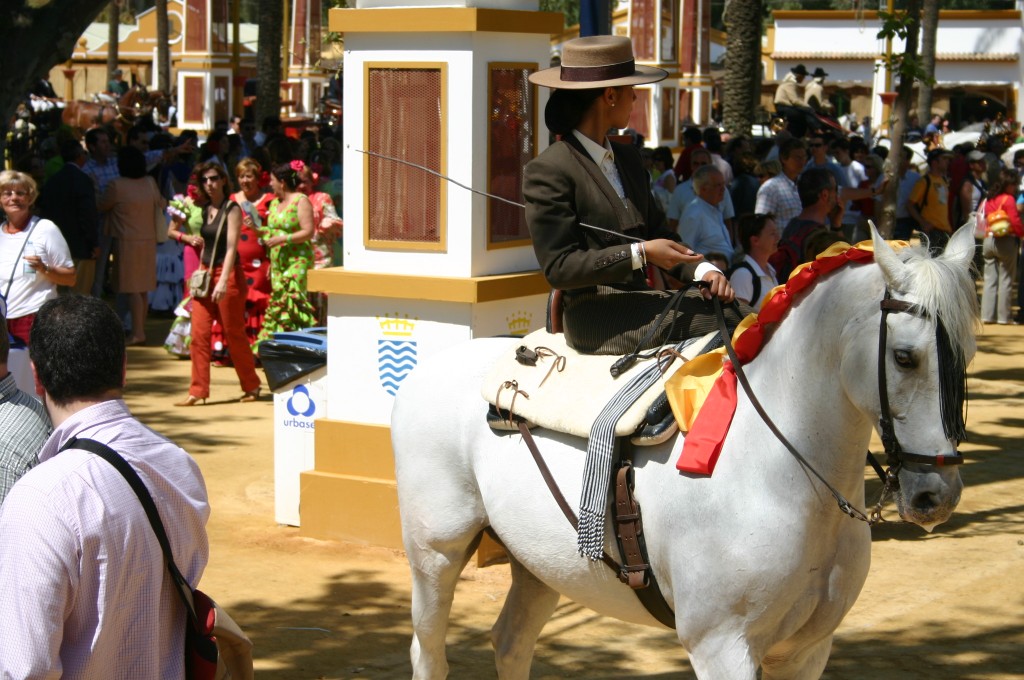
[184,209]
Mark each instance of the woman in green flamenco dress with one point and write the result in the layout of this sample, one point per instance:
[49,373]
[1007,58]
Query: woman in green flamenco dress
[288,238]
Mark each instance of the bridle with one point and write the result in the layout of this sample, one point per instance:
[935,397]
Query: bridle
[896,455]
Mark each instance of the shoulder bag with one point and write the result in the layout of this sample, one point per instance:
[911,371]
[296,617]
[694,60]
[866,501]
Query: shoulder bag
[215,647]
[201,281]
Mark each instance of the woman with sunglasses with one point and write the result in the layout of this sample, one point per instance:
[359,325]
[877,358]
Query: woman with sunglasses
[226,298]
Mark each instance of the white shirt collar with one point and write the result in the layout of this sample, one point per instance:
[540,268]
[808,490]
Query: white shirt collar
[593,149]
[757,268]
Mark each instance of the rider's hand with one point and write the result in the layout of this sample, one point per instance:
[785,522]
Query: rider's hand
[667,254]
[717,285]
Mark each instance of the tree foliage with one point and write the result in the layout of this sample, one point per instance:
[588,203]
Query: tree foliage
[904,25]
[34,37]
[570,8]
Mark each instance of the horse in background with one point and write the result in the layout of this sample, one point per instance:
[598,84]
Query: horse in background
[122,113]
[758,564]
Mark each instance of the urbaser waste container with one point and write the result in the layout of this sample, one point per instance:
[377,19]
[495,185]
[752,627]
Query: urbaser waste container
[296,367]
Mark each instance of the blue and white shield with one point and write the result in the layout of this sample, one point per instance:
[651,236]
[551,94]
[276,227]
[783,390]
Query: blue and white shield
[395,358]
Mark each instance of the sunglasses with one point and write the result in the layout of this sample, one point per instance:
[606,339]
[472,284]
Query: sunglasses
[211,178]
[815,144]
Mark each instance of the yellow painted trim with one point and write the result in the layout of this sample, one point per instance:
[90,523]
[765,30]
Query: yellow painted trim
[846,15]
[353,449]
[441,245]
[443,20]
[491,67]
[339,281]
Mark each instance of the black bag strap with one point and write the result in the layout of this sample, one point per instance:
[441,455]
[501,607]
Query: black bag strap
[755,279]
[132,477]
[927,189]
[33,221]
[222,216]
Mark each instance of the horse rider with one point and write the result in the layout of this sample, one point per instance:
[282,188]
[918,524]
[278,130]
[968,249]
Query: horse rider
[789,92]
[814,93]
[116,86]
[789,100]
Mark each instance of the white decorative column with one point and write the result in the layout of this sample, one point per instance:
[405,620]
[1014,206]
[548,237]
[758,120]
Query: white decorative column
[427,263]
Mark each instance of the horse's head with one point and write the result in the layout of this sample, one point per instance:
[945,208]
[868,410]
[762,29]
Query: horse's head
[926,340]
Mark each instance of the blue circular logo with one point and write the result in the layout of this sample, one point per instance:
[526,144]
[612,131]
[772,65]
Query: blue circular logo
[300,396]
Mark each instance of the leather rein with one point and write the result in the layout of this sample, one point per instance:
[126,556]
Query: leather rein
[896,455]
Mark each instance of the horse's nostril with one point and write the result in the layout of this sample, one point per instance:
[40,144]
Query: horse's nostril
[925,501]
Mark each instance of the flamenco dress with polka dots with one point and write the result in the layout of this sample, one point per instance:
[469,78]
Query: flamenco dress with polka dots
[289,308]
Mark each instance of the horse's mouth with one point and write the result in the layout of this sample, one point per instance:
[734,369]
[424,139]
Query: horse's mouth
[928,499]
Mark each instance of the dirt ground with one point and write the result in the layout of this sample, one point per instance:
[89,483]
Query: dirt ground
[938,606]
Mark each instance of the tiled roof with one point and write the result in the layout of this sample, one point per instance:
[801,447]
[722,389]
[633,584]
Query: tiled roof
[862,56]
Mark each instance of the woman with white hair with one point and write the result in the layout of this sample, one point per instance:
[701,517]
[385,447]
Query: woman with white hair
[34,257]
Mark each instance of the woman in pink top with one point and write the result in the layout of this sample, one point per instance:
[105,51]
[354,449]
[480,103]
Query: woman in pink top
[999,248]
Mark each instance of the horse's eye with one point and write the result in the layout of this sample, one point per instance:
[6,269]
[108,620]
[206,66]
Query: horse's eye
[904,358]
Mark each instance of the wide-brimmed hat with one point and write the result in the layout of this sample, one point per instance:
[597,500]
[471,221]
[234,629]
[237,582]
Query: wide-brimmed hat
[597,61]
[819,73]
[798,70]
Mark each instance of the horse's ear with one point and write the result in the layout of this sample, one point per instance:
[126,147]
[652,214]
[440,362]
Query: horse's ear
[960,248]
[892,267]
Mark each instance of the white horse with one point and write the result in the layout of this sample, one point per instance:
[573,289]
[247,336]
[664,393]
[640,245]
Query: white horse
[757,562]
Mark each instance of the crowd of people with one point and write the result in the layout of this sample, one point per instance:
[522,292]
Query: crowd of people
[817,188]
[136,220]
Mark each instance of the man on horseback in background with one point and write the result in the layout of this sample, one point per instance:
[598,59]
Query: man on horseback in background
[116,86]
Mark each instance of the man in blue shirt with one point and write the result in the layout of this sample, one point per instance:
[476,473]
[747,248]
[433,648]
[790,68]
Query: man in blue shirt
[701,226]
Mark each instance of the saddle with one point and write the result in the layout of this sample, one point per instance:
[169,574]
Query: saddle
[550,385]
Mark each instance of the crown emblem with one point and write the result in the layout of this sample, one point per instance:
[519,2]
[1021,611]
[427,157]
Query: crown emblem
[396,326]
[519,323]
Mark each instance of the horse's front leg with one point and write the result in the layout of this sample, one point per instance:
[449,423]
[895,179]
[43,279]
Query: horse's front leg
[528,606]
[722,653]
[435,573]
[807,663]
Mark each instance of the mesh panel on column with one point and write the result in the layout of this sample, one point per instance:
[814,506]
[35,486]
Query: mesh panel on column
[512,123]
[640,118]
[404,119]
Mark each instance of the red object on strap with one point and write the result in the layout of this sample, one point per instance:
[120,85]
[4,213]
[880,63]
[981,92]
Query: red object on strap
[704,441]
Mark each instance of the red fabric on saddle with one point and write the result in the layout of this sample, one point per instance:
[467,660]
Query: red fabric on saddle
[703,444]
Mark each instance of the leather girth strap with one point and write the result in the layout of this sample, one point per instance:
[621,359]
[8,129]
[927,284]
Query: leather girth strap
[636,573]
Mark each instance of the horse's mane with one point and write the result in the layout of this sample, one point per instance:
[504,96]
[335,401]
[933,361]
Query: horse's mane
[946,291]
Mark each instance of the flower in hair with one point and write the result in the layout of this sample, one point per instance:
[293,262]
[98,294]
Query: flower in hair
[297,166]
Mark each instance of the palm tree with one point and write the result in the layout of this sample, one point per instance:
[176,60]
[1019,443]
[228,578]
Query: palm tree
[742,64]
[113,37]
[163,49]
[268,58]
[929,29]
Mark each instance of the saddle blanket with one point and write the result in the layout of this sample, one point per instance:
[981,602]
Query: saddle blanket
[569,400]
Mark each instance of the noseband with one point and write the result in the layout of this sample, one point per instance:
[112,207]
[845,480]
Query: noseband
[896,456]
